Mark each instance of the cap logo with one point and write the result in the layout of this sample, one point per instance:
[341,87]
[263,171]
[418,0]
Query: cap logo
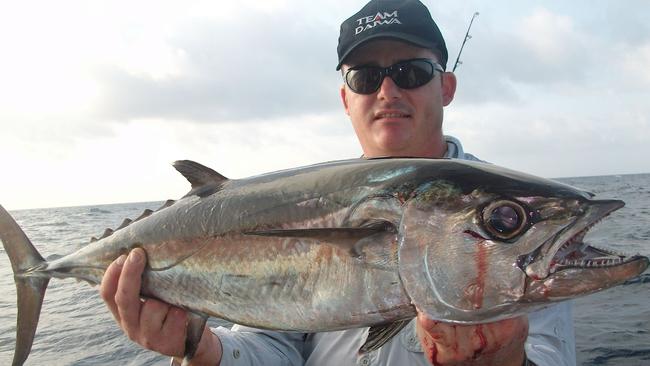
[372,21]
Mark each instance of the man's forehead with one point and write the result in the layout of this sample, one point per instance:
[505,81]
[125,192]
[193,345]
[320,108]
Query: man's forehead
[386,52]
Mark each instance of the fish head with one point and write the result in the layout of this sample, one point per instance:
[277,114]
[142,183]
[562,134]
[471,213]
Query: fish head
[506,244]
[565,266]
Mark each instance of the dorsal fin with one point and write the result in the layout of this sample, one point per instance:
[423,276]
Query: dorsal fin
[124,223]
[144,214]
[93,239]
[198,175]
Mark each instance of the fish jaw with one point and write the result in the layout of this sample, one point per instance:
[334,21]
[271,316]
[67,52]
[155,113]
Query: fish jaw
[565,266]
[573,281]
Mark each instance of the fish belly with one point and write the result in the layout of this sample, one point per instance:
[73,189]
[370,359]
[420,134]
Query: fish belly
[290,284]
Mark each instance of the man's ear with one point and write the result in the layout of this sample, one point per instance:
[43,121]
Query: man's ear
[448,87]
[344,99]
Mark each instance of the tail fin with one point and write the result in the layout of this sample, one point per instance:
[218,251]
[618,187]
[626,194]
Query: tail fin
[30,286]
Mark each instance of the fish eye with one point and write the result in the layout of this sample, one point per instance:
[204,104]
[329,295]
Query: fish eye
[504,220]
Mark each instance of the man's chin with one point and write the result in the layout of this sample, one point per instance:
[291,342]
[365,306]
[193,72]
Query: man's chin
[395,140]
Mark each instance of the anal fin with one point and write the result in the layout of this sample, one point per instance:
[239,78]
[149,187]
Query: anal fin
[195,326]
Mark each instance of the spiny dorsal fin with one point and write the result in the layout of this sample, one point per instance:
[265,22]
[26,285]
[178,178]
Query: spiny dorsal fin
[144,214]
[93,239]
[166,204]
[124,223]
[198,175]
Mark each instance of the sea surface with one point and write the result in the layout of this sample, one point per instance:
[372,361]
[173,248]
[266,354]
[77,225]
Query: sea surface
[612,327]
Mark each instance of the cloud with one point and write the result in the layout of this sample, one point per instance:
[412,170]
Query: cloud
[553,142]
[549,93]
[617,22]
[634,63]
[543,49]
[232,70]
[94,96]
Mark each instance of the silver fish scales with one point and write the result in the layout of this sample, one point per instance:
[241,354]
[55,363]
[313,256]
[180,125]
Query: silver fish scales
[348,244]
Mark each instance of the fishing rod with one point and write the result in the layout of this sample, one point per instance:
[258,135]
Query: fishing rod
[467,36]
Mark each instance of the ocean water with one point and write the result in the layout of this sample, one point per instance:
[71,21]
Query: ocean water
[612,327]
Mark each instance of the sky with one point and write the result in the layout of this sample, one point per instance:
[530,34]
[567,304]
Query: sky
[98,98]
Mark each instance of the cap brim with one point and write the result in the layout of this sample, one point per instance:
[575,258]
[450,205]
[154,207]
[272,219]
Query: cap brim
[408,38]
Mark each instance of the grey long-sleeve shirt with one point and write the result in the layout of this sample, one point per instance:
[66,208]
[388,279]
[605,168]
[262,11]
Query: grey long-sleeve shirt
[550,341]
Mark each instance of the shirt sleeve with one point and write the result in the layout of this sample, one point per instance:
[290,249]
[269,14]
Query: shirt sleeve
[551,339]
[243,346]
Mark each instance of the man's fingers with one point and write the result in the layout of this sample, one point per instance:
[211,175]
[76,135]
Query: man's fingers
[152,316]
[505,332]
[127,296]
[174,330]
[443,334]
[109,283]
[153,324]
[175,322]
[446,343]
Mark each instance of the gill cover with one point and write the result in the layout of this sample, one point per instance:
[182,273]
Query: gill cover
[450,272]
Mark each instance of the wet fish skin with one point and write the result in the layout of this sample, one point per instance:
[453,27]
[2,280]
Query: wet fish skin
[345,244]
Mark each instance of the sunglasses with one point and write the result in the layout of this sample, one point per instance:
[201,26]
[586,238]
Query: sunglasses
[407,74]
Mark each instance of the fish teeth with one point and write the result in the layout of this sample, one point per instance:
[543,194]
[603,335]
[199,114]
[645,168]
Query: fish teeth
[615,252]
[589,263]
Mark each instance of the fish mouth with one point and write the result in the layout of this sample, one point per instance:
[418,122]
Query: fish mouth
[576,254]
[566,266]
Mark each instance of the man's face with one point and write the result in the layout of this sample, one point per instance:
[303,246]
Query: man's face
[394,121]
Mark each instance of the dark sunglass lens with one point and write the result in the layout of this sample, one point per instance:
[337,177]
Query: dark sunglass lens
[412,74]
[364,80]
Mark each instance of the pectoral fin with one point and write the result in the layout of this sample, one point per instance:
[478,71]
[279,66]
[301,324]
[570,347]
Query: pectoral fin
[379,335]
[329,233]
[352,239]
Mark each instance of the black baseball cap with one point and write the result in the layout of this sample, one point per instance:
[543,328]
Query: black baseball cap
[404,20]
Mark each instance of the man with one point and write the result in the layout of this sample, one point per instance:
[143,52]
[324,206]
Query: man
[392,56]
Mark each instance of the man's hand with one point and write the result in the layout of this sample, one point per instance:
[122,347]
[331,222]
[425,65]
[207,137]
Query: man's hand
[150,323]
[498,343]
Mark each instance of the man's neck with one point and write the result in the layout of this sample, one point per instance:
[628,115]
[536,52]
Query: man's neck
[437,149]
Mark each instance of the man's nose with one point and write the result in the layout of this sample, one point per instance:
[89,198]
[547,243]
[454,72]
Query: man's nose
[389,90]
